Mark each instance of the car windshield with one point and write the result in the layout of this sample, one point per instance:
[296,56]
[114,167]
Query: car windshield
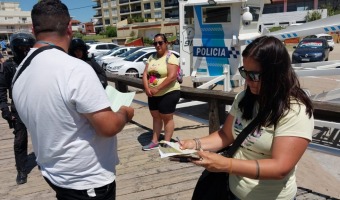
[134,56]
[310,44]
[123,55]
[112,50]
[327,37]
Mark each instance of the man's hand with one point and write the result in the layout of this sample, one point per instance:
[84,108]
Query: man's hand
[130,112]
[7,115]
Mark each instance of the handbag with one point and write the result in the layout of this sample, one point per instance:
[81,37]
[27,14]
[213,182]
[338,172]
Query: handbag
[215,185]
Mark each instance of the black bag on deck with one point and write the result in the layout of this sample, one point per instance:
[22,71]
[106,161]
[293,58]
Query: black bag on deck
[215,185]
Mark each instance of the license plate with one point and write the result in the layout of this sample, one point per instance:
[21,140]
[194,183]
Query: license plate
[304,59]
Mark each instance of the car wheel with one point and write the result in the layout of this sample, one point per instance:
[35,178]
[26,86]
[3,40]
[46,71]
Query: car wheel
[132,73]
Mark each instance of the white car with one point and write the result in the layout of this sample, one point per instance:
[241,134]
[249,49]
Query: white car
[96,49]
[111,54]
[123,55]
[325,36]
[133,64]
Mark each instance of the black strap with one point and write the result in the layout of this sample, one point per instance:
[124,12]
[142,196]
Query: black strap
[29,59]
[240,138]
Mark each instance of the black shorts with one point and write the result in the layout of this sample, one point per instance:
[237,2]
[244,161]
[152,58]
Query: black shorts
[165,104]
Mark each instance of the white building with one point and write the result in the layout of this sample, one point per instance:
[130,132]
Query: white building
[13,19]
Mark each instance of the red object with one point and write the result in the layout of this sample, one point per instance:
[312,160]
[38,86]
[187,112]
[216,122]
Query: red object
[134,43]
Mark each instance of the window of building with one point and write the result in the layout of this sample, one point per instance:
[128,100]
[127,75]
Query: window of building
[107,21]
[158,4]
[147,6]
[147,16]
[216,14]
[158,14]
[114,12]
[106,13]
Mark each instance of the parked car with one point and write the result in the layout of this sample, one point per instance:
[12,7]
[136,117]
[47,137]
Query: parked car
[134,64]
[326,36]
[311,50]
[99,48]
[91,41]
[123,55]
[111,54]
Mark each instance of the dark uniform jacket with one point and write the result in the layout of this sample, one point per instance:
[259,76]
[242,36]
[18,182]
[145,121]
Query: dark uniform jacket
[7,71]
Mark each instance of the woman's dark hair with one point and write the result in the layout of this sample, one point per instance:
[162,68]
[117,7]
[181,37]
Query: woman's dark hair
[50,16]
[161,35]
[279,83]
[78,44]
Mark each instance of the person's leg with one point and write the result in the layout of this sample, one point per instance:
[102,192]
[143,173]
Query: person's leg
[157,123]
[156,126]
[20,150]
[169,125]
[167,107]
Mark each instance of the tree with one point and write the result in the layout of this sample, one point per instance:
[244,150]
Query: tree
[111,31]
[312,16]
[78,35]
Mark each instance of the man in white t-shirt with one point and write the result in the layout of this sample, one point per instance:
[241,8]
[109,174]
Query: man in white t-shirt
[67,112]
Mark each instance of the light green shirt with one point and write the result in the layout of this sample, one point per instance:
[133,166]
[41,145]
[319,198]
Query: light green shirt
[258,145]
[158,71]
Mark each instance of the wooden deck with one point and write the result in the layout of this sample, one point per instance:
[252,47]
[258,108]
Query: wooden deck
[140,174]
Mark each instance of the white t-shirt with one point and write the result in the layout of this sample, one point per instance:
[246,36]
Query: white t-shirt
[50,96]
[258,146]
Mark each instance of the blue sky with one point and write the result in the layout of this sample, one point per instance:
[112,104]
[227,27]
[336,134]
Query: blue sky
[79,9]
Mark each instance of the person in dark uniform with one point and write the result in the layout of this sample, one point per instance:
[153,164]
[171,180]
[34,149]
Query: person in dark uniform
[2,59]
[78,49]
[20,44]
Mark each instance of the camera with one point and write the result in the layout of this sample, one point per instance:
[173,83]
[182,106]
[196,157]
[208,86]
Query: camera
[247,17]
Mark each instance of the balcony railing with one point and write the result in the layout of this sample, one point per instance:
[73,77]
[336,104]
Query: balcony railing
[171,4]
[97,6]
[136,9]
[172,16]
[123,1]
[14,30]
[124,11]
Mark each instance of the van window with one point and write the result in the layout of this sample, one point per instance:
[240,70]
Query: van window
[216,14]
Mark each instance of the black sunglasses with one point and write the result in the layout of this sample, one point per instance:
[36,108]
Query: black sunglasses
[159,43]
[253,76]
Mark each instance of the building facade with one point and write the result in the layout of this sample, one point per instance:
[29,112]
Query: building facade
[13,19]
[162,15]
[111,12]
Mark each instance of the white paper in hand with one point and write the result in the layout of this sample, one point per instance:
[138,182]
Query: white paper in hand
[168,149]
[119,99]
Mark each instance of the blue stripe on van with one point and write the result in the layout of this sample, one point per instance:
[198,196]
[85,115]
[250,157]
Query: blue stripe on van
[212,36]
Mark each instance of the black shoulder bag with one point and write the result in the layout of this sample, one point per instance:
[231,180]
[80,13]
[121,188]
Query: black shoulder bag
[215,185]
[29,59]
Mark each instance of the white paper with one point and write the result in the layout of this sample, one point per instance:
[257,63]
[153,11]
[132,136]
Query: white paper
[172,149]
[119,99]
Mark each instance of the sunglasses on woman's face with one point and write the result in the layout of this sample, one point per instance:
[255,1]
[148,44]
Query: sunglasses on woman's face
[159,43]
[253,76]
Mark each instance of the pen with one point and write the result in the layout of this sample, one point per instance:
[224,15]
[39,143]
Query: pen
[178,140]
